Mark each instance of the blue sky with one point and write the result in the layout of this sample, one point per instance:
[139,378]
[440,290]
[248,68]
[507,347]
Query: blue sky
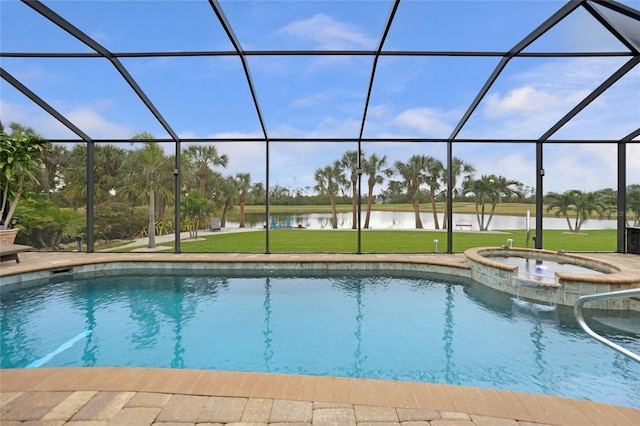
[324,96]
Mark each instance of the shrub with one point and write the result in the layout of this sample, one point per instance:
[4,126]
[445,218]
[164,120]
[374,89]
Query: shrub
[118,221]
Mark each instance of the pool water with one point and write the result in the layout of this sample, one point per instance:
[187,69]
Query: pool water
[401,327]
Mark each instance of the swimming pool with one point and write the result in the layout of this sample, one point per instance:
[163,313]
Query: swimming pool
[399,327]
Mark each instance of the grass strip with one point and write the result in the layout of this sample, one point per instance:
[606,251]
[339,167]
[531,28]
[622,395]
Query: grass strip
[381,241]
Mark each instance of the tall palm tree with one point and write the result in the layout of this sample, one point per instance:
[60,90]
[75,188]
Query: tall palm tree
[147,169]
[349,162]
[328,182]
[413,175]
[74,175]
[243,184]
[376,170]
[458,168]
[204,158]
[433,172]
[53,163]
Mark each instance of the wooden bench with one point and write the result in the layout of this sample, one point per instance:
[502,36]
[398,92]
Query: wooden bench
[10,251]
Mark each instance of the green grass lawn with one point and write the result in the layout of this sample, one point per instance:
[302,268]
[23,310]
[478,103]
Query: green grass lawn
[374,241]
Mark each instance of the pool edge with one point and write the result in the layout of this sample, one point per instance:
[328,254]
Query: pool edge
[449,401]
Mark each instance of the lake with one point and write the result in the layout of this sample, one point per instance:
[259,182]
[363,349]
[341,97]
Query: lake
[405,220]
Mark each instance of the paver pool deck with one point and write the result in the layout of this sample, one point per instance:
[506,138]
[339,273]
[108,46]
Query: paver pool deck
[95,396]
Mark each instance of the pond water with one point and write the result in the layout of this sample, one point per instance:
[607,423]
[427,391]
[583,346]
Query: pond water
[406,220]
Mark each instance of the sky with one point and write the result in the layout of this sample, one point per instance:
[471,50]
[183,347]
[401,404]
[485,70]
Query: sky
[311,96]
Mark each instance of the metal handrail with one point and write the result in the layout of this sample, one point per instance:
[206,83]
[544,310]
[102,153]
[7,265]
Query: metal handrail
[577,310]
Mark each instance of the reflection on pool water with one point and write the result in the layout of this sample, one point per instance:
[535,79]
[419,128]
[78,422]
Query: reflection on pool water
[543,268]
[401,327]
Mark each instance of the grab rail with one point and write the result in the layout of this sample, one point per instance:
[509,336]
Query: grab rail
[577,310]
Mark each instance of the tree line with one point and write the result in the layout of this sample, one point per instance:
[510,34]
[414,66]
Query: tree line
[144,176]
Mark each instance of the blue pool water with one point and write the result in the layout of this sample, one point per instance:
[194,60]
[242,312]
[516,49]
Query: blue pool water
[401,327]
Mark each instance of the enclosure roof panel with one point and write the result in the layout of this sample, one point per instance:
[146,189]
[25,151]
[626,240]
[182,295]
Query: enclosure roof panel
[212,70]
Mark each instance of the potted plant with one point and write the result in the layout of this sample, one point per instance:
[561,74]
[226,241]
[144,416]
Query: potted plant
[20,154]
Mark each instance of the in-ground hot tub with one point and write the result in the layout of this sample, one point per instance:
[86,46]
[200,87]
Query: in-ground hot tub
[551,277]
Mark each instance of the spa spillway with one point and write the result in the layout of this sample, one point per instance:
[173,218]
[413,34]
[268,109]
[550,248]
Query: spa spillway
[550,277]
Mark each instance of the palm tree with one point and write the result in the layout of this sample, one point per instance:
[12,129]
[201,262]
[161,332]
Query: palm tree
[490,189]
[633,203]
[587,203]
[413,175]
[562,203]
[434,170]
[148,169]
[608,199]
[482,189]
[376,170]
[329,180]
[74,176]
[243,183]
[257,194]
[107,162]
[203,158]
[349,162]
[458,168]
[230,190]
[53,163]
[582,204]
[504,189]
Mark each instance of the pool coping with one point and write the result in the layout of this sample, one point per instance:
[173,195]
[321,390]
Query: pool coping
[39,265]
[76,391]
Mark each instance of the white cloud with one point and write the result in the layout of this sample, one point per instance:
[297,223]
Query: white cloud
[35,72]
[311,100]
[89,120]
[517,165]
[327,33]
[32,116]
[236,135]
[335,128]
[428,121]
[187,135]
[328,127]
[526,104]
[585,167]
[527,100]
[568,75]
